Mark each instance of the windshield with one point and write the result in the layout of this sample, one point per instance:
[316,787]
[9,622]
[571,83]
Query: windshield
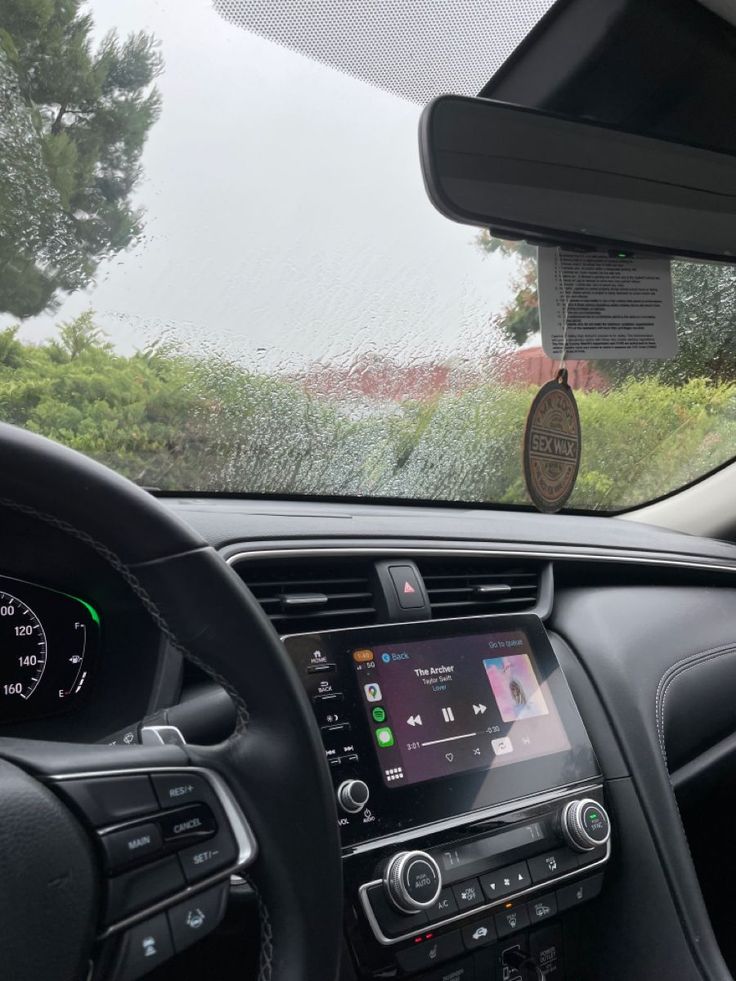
[220,272]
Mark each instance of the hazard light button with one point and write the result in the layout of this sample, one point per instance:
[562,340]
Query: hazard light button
[408,589]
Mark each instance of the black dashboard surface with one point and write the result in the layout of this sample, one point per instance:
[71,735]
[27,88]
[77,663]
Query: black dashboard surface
[649,659]
[224,522]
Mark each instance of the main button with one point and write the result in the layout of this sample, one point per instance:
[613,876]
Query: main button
[131,844]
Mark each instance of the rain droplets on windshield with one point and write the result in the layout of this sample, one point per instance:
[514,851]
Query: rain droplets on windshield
[219,271]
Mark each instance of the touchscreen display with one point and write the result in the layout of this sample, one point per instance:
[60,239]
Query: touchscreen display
[446,706]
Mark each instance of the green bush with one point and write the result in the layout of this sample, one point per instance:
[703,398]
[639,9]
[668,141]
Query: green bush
[179,423]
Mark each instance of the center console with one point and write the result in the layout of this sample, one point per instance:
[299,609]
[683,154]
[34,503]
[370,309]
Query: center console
[469,797]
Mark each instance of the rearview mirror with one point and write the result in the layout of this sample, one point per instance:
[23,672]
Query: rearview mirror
[527,174]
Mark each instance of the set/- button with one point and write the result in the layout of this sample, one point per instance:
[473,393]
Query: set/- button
[203,860]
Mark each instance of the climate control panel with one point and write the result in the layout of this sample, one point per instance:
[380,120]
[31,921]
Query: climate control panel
[481,891]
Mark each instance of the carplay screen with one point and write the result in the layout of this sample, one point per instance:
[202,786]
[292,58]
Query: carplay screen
[446,706]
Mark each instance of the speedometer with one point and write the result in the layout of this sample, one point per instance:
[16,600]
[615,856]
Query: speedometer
[49,643]
[23,648]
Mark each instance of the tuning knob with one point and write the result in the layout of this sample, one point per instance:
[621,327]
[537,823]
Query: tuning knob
[352,795]
[413,881]
[585,825]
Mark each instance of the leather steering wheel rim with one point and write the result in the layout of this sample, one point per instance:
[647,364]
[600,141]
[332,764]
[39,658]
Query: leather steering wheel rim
[274,761]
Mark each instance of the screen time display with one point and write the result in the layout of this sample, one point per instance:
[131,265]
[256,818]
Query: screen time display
[446,706]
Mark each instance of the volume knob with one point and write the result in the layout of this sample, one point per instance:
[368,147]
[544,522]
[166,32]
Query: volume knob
[413,881]
[585,825]
[352,795]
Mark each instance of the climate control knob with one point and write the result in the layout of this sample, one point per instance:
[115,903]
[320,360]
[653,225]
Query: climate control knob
[413,881]
[352,795]
[585,825]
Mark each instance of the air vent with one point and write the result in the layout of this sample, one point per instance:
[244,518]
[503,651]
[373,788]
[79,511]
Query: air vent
[308,594]
[471,587]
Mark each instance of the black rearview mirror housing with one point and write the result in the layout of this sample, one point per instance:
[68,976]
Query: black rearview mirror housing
[532,175]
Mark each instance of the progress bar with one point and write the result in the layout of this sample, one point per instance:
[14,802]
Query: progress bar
[450,739]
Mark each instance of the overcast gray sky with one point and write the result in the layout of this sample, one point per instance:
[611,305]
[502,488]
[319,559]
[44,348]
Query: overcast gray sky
[286,217]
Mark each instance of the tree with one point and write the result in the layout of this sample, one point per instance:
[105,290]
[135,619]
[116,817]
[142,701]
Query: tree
[73,123]
[520,319]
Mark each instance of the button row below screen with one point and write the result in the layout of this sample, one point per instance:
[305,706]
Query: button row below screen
[516,917]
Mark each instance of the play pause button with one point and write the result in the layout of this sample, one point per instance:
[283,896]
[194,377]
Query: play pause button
[506,881]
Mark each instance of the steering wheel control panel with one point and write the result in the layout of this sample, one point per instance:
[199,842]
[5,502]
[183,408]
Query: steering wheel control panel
[485,899]
[169,841]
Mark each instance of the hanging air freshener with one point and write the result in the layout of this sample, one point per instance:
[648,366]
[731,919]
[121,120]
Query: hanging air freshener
[552,440]
[552,445]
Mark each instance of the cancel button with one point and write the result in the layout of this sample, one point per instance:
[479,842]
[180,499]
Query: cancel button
[188,825]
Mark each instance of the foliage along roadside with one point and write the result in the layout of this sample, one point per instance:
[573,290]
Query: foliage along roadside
[176,422]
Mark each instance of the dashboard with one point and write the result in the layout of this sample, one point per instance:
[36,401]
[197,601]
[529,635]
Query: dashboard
[50,644]
[541,679]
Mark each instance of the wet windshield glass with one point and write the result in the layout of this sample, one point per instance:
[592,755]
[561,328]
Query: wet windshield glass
[220,272]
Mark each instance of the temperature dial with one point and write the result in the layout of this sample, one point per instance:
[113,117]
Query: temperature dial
[585,825]
[413,881]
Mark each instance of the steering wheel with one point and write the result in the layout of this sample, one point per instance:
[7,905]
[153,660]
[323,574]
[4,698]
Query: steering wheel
[267,788]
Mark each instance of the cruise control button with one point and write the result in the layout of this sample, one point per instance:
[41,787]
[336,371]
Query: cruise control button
[552,864]
[188,825]
[142,887]
[468,894]
[198,916]
[479,934]
[510,920]
[131,844]
[426,954]
[110,800]
[209,857]
[178,789]
[144,947]
[506,881]
[579,892]
[444,907]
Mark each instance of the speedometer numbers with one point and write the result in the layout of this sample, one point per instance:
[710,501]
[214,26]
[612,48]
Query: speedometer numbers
[23,646]
[48,645]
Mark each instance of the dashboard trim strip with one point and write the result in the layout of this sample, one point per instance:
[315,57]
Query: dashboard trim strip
[263,551]
[470,817]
